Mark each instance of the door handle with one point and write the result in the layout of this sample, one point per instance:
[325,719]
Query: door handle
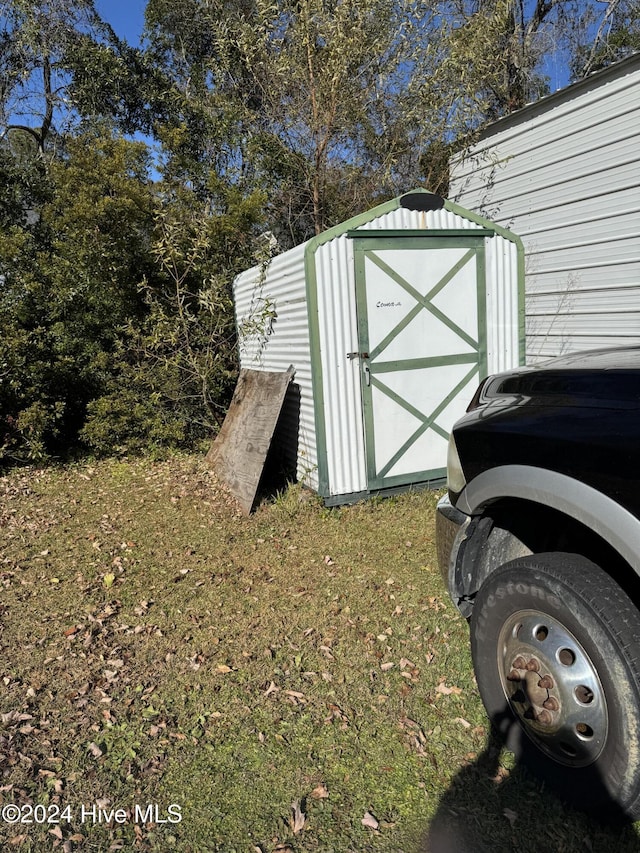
[367,374]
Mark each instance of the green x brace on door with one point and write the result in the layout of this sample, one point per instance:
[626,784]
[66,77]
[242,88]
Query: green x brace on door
[421,311]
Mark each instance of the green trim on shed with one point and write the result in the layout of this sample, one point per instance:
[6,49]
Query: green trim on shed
[349,227]
[314,328]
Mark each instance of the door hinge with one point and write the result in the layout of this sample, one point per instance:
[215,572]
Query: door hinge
[357,355]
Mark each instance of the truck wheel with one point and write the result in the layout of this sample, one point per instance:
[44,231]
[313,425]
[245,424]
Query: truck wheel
[556,651]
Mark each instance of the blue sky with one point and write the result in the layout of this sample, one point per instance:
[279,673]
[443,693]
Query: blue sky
[125,16]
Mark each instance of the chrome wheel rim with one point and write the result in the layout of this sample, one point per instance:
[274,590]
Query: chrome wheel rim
[553,688]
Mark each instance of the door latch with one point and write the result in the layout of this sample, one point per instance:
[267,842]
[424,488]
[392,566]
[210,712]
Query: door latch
[357,355]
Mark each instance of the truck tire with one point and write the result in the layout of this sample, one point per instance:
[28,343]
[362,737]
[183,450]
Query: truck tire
[556,651]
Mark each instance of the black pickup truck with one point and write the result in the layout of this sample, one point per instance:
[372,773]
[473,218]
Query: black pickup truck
[539,544]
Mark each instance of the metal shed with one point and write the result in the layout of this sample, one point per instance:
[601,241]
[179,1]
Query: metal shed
[389,321]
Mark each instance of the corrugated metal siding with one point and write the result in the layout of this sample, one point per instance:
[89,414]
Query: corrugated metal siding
[339,332]
[566,179]
[282,288]
[340,375]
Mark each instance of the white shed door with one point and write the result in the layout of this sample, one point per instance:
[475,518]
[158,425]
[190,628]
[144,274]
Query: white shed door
[421,328]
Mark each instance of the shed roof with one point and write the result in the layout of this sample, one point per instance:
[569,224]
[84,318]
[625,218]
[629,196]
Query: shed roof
[417,199]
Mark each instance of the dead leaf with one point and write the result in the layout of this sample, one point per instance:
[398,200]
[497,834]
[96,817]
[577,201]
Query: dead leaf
[295,694]
[327,652]
[501,774]
[297,819]
[462,722]
[447,691]
[511,816]
[369,821]
[222,668]
[319,792]
[385,667]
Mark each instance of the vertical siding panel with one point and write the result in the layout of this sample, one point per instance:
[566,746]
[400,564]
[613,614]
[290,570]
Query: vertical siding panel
[341,376]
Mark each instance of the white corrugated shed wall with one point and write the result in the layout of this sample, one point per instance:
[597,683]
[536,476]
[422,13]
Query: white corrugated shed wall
[265,345]
[281,288]
[565,177]
[339,333]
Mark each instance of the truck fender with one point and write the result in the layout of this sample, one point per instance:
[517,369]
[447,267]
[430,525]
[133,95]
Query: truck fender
[601,513]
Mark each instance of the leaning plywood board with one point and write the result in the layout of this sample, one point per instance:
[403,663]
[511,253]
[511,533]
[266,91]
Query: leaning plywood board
[238,453]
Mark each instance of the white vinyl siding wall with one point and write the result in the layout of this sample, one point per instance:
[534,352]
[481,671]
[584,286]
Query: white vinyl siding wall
[564,174]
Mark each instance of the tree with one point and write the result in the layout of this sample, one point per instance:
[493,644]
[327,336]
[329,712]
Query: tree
[176,368]
[499,48]
[617,36]
[61,63]
[326,105]
[70,265]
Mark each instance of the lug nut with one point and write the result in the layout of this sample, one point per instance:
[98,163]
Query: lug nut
[546,682]
[544,718]
[514,675]
[533,666]
[551,704]
[520,663]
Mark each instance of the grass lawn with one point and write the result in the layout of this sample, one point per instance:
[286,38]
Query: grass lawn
[175,676]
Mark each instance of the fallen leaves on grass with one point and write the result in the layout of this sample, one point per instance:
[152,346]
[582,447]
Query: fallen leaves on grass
[511,816]
[336,714]
[319,793]
[447,691]
[298,818]
[414,735]
[295,697]
[95,750]
[370,821]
